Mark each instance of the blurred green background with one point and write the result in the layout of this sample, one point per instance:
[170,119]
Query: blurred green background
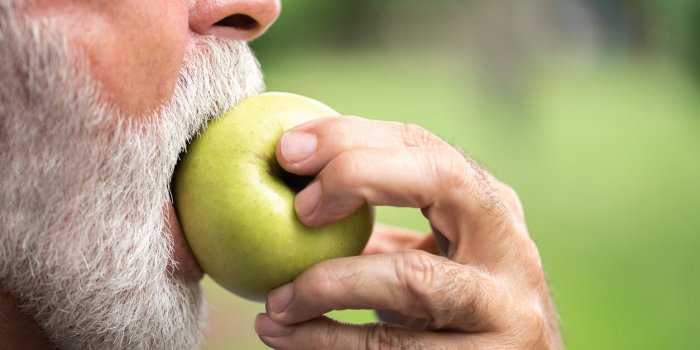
[589,108]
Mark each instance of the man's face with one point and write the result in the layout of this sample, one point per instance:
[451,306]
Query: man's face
[97,99]
[135,48]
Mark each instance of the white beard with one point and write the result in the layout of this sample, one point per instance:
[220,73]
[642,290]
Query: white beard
[83,190]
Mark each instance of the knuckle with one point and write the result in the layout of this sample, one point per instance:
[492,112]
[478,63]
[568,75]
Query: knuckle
[431,283]
[343,169]
[319,282]
[417,269]
[485,189]
[445,170]
[414,136]
[380,337]
[451,167]
[477,310]
[327,338]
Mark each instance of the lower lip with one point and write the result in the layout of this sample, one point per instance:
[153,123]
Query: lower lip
[186,266]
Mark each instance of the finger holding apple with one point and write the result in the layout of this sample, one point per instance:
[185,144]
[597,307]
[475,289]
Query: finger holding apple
[488,291]
[359,161]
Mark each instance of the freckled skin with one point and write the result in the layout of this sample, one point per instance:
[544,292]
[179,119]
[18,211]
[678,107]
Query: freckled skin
[238,214]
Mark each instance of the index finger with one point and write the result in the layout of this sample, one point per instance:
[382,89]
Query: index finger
[307,148]
[388,163]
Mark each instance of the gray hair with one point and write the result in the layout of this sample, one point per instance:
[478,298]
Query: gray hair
[83,187]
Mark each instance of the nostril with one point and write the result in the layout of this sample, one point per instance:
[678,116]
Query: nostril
[239,21]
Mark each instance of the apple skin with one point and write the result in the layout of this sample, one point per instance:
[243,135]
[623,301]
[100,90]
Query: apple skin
[236,210]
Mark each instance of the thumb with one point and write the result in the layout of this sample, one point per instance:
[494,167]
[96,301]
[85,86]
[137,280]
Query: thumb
[325,333]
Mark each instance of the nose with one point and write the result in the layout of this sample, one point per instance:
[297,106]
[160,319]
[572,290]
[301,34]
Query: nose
[233,19]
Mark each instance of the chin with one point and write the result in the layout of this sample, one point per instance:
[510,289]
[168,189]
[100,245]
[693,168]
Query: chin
[84,238]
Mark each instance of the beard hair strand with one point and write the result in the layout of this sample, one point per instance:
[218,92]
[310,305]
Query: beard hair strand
[83,243]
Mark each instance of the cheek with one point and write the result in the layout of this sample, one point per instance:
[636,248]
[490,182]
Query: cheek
[135,48]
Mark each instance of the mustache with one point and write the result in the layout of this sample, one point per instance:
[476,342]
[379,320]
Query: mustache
[84,188]
[215,75]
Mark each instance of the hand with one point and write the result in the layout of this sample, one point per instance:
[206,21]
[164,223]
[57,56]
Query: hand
[476,282]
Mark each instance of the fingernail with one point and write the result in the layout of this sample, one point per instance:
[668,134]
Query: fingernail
[274,343]
[298,146]
[280,298]
[265,327]
[308,199]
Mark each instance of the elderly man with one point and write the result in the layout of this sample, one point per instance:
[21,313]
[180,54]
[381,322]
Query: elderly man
[98,98]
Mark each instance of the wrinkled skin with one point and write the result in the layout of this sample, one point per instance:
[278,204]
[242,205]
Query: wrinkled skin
[132,80]
[475,283]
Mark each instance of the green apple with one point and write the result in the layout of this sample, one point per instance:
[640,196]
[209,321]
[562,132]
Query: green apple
[236,204]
